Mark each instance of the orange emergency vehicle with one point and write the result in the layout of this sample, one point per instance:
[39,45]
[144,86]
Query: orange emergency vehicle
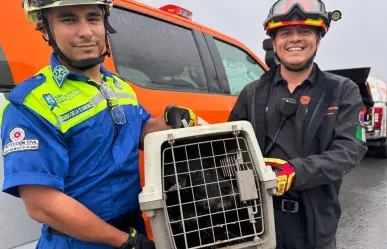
[164,55]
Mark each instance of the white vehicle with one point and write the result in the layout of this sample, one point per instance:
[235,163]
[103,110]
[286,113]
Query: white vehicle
[376,118]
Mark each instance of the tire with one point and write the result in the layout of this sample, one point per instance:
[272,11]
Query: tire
[382,151]
[379,151]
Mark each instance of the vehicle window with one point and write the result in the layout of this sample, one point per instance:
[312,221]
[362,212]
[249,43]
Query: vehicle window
[156,54]
[7,81]
[240,67]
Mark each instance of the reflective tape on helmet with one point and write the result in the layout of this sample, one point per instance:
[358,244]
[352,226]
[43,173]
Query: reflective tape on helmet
[309,22]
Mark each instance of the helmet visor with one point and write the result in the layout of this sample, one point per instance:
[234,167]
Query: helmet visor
[308,7]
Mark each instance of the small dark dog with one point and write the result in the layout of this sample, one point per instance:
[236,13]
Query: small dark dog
[200,186]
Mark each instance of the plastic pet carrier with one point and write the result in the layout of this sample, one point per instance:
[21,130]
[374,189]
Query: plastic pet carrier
[208,187]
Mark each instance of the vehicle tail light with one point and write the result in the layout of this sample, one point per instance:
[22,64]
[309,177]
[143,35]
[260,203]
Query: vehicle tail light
[378,117]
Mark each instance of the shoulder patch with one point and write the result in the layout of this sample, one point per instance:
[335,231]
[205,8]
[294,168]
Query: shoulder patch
[20,92]
[19,142]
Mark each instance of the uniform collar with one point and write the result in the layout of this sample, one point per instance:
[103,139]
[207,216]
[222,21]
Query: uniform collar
[311,78]
[60,73]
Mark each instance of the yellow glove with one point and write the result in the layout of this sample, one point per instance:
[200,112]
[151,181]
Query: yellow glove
[174,116]
[285,174]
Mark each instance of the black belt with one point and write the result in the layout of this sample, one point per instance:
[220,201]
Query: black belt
[286,205]
[122,222]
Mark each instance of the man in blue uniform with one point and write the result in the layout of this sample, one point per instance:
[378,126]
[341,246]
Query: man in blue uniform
[71,135]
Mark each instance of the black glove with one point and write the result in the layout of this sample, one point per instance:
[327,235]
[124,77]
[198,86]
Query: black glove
[174,115]
[137,241]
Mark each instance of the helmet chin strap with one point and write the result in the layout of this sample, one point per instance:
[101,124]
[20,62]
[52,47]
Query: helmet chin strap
[84,64]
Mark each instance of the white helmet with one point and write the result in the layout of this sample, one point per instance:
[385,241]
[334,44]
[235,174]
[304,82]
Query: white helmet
[34,13]
[33,8]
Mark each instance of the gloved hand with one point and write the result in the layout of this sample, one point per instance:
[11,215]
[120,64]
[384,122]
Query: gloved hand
[174,115]
[285,174]
[137,241]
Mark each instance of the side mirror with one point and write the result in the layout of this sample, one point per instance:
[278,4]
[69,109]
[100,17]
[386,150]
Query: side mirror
[270,58]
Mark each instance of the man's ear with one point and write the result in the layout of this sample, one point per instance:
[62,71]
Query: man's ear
[44,34]
[318,42]
[43,30]
[274,45]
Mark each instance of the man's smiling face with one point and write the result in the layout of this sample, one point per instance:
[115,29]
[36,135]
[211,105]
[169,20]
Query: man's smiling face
[295,45]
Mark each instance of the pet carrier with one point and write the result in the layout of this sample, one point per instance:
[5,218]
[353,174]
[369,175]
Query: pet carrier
[208,187]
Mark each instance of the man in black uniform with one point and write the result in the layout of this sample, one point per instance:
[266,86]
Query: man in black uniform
[308,124]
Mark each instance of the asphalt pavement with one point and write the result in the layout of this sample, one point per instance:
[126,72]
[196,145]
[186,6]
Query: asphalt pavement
[363,198]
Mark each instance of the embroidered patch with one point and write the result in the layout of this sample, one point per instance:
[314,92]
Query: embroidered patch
[360,133]
[305,100]
[76,111]
[17,134]
[70,95]
[50,101]
[19,143]
[59,74]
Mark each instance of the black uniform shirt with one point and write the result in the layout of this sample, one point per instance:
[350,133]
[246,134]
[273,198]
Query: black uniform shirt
[291,137]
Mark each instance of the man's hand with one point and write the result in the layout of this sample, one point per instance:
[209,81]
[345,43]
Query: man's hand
[285,174]
[137,241]
[174,115]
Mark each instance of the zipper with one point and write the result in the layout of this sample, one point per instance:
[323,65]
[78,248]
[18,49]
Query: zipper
[314,220]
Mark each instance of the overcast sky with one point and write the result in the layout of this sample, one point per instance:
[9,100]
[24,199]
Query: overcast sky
[359,39]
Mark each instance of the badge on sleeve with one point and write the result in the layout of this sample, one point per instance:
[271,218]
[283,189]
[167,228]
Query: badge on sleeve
[360,133]
[19,142]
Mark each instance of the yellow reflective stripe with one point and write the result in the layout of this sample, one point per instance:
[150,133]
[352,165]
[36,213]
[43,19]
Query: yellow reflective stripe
[89,109]
[81,113]
[97,99]
[2,111]
[126,87]
[86,103]
[273,24]
[126,99]
[313,21]
[274,160]
[126,96]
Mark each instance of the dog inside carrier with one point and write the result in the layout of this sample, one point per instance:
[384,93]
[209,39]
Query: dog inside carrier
[214,192]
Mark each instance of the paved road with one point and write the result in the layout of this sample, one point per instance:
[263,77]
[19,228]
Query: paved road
[364,207]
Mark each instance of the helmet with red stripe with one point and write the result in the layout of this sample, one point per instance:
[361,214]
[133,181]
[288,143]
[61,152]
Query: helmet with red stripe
[300,12]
